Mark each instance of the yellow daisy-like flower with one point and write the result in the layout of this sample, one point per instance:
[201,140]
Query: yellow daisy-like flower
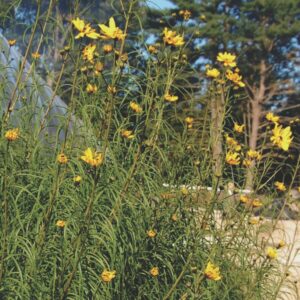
[254,220]
[281,244]
[135,107]
[235,78]
[254,154]
[189,120]
[174,218]
[12,42]
[151,233]
[232,158]
[170,98]
[154,271]
[271,253]
[244,199]
[78,24]
[111,31]
[84,30]
[35,55]
[77,179]
[227,59]
[107,48]
[238,128]
[128,134]
[232,143]
[186,14]
[88,52]
[61,223]
[172,38]
[91,88]
[270,117]
[282,137]
[214,73]
[108,276]
[111,89]
[212,272]
[247,163]
[92,158]
[257,203]
[280,186]
[184,191]
[62,158]
[12,134]
[152,49]
[98,68]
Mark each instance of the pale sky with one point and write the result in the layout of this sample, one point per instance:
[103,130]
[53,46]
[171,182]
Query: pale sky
[160,4]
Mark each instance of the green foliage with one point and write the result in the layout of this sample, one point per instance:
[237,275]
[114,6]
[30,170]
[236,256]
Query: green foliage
[109,212]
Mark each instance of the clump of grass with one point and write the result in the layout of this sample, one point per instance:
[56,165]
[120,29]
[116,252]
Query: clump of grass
[87,216]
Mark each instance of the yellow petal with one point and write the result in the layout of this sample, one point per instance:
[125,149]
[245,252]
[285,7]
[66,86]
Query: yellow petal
[112,23]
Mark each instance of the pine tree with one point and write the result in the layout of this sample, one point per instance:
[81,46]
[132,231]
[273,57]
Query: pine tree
[265,35]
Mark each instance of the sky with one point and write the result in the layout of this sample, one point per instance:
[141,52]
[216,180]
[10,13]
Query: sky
[160,4]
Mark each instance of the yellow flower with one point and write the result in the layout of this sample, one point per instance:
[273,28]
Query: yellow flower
[186,14]
[135,107]
[170,98]
[91,88]
[78,24]
[152,49]
[238,128]
[235,78]
[282,137]
[271,253]
[62,158]
[98,67]
[172,38]
[233,158]
[254,154]
[111,89]
[257,203]
[12,134]
[227,59]
[232,143]
[92,158]
[298,189]
[35,55]
[244,199]
[280,186]
[88,52]
[202,17]
[77,179]
[107,48]
[11,42]
[174,217]
[84,30]
[154,271]
[212,272]
[108,276]
[61,223]
[270,117]
[151,233]
[128,134]
[247,163]
[214,73]
[281,244]
[189,120]
[111,31]
[254,220]
[184,191]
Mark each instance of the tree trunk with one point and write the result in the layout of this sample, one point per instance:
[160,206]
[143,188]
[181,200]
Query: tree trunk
[256,102]
[216,132]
